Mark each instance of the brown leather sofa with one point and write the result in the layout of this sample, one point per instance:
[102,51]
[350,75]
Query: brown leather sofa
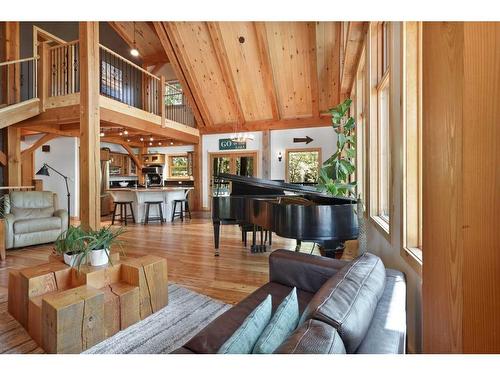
[350,307]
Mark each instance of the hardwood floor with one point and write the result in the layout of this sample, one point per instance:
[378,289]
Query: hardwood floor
[189,250]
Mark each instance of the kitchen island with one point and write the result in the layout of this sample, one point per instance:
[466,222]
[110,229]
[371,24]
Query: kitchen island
[140,195]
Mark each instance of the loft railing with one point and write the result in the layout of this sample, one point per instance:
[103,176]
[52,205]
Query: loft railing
[22,71]
[64,69]
[177,107]
[128,83]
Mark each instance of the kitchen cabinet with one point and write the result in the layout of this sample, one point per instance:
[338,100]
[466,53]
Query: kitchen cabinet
[123,163]
[153,159]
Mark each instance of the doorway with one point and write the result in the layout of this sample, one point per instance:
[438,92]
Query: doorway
[239,163]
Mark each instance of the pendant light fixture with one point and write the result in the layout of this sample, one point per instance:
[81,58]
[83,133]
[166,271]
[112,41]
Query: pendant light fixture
[240,137]
[134,51]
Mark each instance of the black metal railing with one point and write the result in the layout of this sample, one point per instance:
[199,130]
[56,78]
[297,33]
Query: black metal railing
[20,73]
[128,83]
[177,107]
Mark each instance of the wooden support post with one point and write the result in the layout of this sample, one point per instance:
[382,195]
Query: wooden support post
[90,202]
[43,74]
[161,101]
[266,154]
[197,175]
[11,54]
[14,156]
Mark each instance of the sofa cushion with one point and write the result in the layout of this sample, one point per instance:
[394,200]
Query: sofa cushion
[244,338]
[211,338]
[37,225]
[31,204]
[313,337]
[282,324]
[347,301]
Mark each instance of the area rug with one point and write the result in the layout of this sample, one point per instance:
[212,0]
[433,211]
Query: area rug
[185,315]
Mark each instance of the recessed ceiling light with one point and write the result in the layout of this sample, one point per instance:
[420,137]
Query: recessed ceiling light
[151,139]
[121,133]
[159,143]
[102,134]
[150,143]
[128,140]
[171,143]
[142,139]
[125,132]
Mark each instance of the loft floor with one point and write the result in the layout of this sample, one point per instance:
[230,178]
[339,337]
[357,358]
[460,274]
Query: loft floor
[188,248]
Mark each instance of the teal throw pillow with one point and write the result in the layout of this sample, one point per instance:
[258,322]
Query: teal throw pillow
[282,324]
[244,338]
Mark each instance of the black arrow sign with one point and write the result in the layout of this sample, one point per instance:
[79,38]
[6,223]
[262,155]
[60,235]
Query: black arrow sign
[307,140]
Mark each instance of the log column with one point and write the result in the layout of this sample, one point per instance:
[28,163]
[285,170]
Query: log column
[90,201]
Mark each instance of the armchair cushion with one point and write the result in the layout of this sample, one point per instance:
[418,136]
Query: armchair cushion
[22,226]
[32,204]
[63,215]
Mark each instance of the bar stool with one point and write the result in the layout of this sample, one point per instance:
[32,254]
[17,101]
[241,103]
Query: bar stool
[155,218]
[123,215]
[184,207]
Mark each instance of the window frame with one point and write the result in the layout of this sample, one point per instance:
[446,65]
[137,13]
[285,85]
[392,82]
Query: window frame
[411,200]
[305,149]
[170,159]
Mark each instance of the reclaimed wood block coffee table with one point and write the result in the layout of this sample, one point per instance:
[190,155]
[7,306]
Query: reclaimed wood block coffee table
[66,310]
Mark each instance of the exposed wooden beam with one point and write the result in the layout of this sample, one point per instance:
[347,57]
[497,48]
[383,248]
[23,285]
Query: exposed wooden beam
[266,68]
[227,75]
[157,68]
[54,116]
[134,157]
[3,158]
[171,41]
[53,129]
[313,67]
[90,197]
[46,138]
[356,32]
[120,141]
[121,32]
[324,120]
[13,156]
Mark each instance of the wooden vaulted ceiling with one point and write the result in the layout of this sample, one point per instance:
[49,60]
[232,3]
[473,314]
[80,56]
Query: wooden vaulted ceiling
[256,75]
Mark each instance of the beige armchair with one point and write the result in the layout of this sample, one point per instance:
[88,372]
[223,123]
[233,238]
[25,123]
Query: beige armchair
[32,218]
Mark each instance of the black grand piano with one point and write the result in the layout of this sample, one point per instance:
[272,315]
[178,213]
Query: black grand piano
[289,210]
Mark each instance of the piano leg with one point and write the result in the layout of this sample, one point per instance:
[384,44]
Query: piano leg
[270,238]
[216,237]
[297,246]
[254,239]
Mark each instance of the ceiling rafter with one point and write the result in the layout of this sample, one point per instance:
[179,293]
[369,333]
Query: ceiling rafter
[266,68]
[356,32]
[227,76]
[161,30]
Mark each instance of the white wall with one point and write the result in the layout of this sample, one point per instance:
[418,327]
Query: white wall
[63,156]
[324,137]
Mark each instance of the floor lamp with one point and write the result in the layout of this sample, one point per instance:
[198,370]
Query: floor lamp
[44,171]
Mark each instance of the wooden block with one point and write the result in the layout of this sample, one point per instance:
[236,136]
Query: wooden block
[111,312]
[40,280]
[129,303]
[149,273]
[72,320]
[14,301]
[35,318]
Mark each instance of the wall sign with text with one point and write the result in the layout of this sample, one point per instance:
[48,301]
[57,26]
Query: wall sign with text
[228,144]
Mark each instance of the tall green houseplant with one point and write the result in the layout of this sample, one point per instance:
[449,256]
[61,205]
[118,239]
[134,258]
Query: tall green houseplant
[336,171]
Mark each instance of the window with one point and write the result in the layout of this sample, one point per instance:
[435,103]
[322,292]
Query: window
[173,94]
[359,96]
[379,132]
[412,130]
[111,80]
[302,165]
[178,166]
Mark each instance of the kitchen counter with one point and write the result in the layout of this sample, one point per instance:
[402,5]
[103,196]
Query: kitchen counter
[140,195]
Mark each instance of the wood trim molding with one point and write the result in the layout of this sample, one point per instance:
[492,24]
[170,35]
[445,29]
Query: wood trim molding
[302,149]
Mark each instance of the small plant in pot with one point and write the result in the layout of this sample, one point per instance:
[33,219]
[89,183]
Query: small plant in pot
[71,245]
[99,244]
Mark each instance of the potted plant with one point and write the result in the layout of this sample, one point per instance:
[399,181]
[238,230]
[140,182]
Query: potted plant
[99,244]
[71,245]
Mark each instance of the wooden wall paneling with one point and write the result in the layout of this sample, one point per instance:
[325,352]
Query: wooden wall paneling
[461,85]
[90,210]
[328,60]
[266,68]
[197,52]
[313,68]
[480,163]
[226,71]
[247,69]
[289,54]
[181,75]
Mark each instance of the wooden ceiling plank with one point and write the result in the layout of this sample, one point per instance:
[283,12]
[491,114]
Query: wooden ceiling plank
[227,76]
[313,68]
[266,68]
[202,119]
[121,32]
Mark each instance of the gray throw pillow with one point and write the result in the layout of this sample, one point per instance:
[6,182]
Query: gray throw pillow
[282,324]
[244,338]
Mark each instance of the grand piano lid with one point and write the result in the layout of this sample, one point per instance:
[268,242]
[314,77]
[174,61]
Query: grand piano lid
[278,185]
